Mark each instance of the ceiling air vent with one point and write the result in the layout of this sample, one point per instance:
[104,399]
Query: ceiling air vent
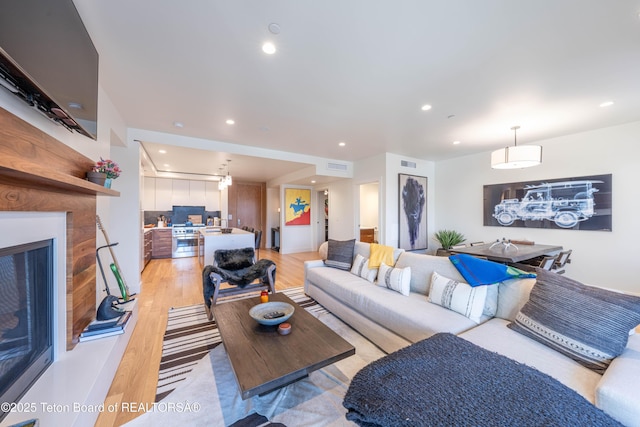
[336,166]
[407,164]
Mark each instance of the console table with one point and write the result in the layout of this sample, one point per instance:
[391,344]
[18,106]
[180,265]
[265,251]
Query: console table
[275,239]
[509,254]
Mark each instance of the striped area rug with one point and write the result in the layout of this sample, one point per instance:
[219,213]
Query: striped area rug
[189,337]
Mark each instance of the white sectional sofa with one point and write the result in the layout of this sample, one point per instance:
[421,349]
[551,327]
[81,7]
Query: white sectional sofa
[393,321]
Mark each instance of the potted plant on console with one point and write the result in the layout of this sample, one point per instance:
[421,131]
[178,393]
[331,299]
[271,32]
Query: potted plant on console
[447,239]
[104,172]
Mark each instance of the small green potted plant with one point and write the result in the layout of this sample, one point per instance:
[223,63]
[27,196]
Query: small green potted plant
[447,239]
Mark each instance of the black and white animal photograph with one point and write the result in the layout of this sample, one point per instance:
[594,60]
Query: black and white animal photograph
[413,212]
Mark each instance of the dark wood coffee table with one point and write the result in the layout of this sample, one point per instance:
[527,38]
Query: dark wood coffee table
[264,360]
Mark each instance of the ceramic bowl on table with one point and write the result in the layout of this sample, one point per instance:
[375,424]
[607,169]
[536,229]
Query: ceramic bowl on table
[271,313]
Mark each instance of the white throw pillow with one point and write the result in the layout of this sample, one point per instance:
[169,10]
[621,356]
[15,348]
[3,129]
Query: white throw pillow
[491,303]
[458,296]
[396,279]
[361,268]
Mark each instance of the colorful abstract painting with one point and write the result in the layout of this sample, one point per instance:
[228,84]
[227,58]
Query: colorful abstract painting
[297,206]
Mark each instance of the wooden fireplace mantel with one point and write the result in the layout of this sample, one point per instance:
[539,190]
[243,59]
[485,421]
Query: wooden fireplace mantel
[38,173]
[46,178]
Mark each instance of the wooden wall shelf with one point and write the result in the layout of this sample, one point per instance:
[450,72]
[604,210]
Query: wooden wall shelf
[52,179]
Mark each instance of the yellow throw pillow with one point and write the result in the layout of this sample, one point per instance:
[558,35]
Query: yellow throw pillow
[380,254]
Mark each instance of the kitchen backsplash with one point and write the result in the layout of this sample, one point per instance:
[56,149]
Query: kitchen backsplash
[151,217]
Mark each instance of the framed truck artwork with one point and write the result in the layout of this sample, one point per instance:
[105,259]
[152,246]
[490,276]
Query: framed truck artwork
[580,203]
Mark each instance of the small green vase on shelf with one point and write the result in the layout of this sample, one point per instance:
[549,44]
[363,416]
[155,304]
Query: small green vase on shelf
[107,182]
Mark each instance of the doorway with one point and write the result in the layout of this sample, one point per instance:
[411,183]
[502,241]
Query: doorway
[369,221]
[322,217]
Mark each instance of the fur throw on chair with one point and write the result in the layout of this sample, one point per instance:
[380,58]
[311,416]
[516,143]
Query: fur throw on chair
[236,267]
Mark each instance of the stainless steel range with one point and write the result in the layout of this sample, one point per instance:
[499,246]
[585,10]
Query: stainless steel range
[184,240]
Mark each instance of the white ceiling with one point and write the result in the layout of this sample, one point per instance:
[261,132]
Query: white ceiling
[358,71]
[170,161]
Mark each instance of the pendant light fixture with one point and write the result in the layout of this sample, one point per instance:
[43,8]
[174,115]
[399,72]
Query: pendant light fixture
[222,183]
[228,180]
[516,157]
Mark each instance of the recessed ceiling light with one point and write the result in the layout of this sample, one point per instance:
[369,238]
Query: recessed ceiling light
[313,181]
[607,104]
[162,151]
[342,144]
[269,48]
[274,28]
[230,122]
[426,107]
[166,165]
[456,142]
[178,124]
[75,105]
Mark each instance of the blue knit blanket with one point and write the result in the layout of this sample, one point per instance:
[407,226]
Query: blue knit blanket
[478,271]
[448,381]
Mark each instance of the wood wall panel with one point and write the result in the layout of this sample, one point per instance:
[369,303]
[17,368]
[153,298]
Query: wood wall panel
[243,196]
[29,147]
[27,185]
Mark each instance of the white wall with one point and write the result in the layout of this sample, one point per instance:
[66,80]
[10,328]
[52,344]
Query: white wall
[342,217]
[273,215]
[607,259]
[126,224]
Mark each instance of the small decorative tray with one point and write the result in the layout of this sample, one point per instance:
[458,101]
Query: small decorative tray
[226,230]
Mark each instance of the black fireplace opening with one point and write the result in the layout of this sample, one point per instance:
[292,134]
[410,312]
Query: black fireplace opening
[26,317]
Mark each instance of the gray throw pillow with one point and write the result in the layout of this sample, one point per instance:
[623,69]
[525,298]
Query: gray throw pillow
[340,254]
[588,324]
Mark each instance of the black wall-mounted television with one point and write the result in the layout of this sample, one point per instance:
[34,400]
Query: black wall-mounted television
[47,58]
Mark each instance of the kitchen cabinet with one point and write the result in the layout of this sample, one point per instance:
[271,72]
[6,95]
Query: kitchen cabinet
[161,194]
[148,194]
[148,246]
[212,239]
[161,243]
[180,193]
[197,194]
[212,196]
[367,235]
[164,190]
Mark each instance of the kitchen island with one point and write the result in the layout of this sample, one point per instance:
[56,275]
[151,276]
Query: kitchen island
[210,239]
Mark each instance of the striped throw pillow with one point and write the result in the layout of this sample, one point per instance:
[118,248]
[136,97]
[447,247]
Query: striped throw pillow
[458,296]
[588,324]
[361,268]
[396,279]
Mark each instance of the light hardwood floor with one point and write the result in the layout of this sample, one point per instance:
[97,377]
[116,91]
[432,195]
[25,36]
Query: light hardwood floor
[170,283]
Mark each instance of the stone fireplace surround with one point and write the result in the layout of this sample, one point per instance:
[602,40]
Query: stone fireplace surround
[43,194]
